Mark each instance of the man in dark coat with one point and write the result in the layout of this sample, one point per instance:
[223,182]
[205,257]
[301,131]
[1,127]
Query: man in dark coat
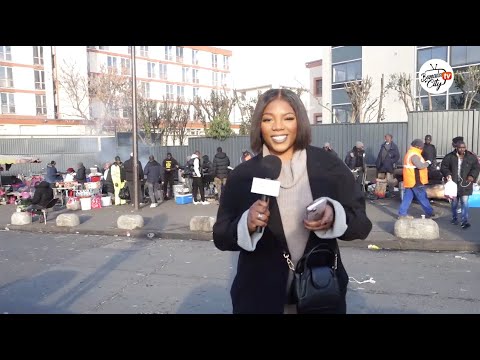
[355,160]
[387,158]
[128,166]
[461,166]
[429,151]
[41,197]
[221,162]
[81,175]
[153,172]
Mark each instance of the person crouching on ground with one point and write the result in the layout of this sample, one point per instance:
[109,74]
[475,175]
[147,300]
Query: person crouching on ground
[415,177]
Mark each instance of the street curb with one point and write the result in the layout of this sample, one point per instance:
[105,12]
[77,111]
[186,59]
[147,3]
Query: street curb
[395,244]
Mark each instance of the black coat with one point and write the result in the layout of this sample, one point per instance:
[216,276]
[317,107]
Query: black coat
[153,171]
[128,165]
[358,158]
[43,194]
[221,162]
[260,283]
[430,153]
[389,163]
[470,167]
[81,175]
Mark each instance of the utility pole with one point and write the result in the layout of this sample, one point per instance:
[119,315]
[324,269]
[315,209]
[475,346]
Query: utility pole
[136,184]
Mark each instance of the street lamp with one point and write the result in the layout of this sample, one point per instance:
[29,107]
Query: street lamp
[134,115]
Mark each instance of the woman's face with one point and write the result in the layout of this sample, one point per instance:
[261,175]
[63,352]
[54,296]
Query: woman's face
[279,128]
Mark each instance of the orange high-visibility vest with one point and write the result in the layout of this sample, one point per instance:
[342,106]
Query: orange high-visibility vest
[409,168]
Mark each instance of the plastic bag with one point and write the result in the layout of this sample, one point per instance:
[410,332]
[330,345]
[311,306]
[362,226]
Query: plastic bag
[73,203]
[97,202]
[450,189]
[380,188]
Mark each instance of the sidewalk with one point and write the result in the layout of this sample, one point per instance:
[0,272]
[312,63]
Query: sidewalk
[171,221]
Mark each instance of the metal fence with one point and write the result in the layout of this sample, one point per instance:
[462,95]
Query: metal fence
[67,152]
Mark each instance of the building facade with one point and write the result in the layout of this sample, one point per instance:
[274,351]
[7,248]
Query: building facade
[343,64]
[33,101]
[315,110]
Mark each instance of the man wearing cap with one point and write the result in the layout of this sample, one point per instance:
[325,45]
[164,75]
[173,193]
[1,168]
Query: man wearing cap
[415,177]
[461,166]
[355,160]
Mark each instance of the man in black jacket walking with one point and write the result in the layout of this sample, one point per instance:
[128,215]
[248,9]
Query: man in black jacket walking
[221,162]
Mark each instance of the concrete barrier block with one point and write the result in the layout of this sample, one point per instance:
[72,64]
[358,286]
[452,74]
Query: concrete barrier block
[69,220]
[425,229]
[130,222]
[21,218]
[202,223]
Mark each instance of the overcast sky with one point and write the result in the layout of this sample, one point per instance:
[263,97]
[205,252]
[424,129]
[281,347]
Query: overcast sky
[278,65]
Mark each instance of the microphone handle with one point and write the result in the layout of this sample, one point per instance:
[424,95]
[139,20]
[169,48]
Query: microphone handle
[259,228]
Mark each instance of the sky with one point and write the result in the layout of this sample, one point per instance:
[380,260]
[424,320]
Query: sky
[278,65]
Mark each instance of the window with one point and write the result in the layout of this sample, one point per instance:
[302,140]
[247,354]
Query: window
[340,96]
[225,62]
[151,70]
[185,75]
[435,52]
[38,55]
[457,101]
[5,53]
[318,87]
[342,113]
[179,54]
[195,57]
[214,60]
[169,92]
[112,62]
[214,79]
[104,48]
[126,111]
[346,53]
[181,92]
[145,86]
[163,71]
[464,55]
[144,51]
[438,102]
[39,79]
[168,53]
[195,79]
[318,118]
[347,71]
[224,79]
[126,70]
[7,103]
[6,77]
[41,101]
[195,92]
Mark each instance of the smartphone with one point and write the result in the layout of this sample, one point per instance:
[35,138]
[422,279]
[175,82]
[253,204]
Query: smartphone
[315,210]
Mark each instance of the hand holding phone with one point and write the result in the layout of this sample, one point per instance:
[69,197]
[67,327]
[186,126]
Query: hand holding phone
[314,210]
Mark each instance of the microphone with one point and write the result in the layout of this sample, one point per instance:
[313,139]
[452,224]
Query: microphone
[270,169]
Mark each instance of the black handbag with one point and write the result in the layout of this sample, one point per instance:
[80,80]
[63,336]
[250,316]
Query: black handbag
[315,288]
[124,194]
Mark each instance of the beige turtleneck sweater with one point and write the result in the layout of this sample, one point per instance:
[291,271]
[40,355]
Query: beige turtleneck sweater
[295,195]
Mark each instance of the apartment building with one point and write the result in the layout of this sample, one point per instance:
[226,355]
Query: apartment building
[315,110]
[32,102]
[349,63]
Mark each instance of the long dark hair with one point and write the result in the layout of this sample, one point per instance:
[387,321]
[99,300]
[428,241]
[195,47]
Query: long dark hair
[304,132]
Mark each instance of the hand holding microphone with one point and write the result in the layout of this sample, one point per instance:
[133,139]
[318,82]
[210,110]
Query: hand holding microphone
[258,214]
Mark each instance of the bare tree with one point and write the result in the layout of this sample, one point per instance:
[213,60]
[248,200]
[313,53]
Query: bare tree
[181,119]
[110,92]
[319,102]
[363,106]
[247,107]
[383,91]
[405,86]
[218,105]
[167,114]
[149,119]
[469,82]
[76,88]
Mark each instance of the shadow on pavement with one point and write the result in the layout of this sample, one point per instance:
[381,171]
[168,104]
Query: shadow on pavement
[358,304]
[26,296]
[207,299]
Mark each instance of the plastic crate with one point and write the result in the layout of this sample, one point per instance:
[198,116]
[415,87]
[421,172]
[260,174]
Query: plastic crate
[184,199]
[474,200]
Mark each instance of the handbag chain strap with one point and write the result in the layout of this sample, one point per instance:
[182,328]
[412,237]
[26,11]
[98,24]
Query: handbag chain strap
[292,266]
